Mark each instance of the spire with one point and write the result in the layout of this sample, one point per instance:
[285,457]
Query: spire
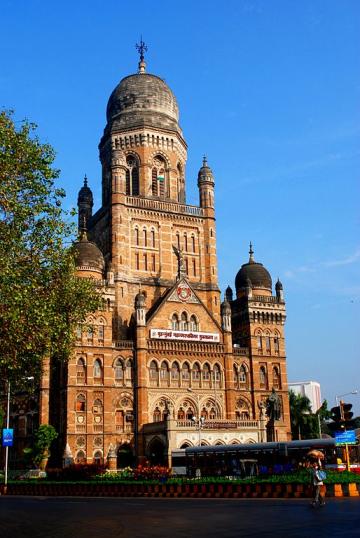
[85,181]
[141,48]
[205,160]
[251,254]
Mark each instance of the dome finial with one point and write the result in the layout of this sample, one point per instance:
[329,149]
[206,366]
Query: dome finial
[251,253]
[141,49]
[204,160]
[85,181]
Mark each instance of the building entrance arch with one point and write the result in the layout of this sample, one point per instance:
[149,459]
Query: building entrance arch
[156,452]
[125,456]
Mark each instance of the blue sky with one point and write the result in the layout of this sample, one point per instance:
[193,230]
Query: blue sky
[269,90]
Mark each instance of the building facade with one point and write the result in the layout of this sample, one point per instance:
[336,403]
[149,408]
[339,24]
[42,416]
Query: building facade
[311,389]
[166,363]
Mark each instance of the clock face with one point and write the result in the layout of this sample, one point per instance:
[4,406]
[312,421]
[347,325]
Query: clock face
[183,292]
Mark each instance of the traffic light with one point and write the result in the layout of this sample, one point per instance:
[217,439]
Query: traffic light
[347,415]
[337,418]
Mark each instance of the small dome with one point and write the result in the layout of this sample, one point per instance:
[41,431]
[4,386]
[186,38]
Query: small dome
[143,100]
[254,272]
[278,285]
[205,173]
[85,194]
[88,254]
[140,300]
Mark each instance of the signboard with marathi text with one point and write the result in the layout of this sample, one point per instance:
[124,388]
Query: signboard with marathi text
[193,336]
[7,437]
[345,438]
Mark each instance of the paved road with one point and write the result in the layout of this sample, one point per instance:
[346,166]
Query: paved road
[62,517]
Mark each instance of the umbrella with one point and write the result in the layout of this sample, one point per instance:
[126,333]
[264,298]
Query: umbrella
[316,454]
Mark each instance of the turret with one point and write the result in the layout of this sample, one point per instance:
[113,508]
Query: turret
[206,185]
[279,291]
[229,294]
[140,309]
[226,315]
[85,205]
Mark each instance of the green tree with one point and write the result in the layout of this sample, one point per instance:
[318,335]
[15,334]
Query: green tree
[41,299]
[301,417]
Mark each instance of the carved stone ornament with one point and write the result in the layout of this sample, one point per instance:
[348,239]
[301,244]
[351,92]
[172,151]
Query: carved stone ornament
[183,294]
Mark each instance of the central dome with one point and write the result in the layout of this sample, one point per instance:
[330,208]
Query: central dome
[143,100]
[254,274]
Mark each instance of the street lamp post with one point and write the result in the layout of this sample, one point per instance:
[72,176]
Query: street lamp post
[200,420]
[337,398]
[7,427]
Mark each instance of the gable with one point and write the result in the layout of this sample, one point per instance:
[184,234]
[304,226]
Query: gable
[181,301]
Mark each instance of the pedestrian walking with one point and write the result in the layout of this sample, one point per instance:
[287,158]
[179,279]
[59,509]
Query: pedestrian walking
[318,475]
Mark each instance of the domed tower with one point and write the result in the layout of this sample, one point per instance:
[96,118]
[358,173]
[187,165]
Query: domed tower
[143,215]
[258,319]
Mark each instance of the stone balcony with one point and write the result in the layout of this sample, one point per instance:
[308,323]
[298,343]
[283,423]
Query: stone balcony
[164,206]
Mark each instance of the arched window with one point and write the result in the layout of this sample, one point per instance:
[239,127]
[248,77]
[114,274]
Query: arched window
[164,373]
[193,324]
[267,344]
[184,323]
[98,407]
[137,236]
[132,176]
[276,378]
[276,344]
[185,373]
[217,375]
[181,414]
[243,377]
[153,372]
[180,184]
[158,177]
[259,342]
[175,323]
[157,415]
[178,240]
[90,335]
[80,403]
[97,370]
[175,372]
[196,373]
[80,372]
[145,237]
[128,372]
[98,458]
[206,373]
[193,243]
[153,238]
[263,378]
[185,243]
[119,371]
[80,457]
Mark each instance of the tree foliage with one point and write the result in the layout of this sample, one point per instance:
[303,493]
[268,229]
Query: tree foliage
[41,299]
[305,423]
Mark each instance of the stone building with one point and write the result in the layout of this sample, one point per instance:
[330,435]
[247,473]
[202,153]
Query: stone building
[165,364]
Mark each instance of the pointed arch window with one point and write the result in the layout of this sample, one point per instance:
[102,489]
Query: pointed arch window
[157,415]
[119,371]
[276,344]
[80,403]
[132,176]
[80,372]
[185,373]
[196,373]
[97,371]
[206,373]
[158,180]
[181,414]
[129,372]
[263,378]
[175,373]
[175,322]
[217,375]
[164,373]
[276,378]
[153,238]
[184,322]
[153,372]
[136,236]
[193,324]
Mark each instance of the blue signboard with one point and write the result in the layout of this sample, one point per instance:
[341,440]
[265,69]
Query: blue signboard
[7,437]
[347,437]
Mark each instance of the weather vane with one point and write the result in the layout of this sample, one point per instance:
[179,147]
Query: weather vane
[141,48]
